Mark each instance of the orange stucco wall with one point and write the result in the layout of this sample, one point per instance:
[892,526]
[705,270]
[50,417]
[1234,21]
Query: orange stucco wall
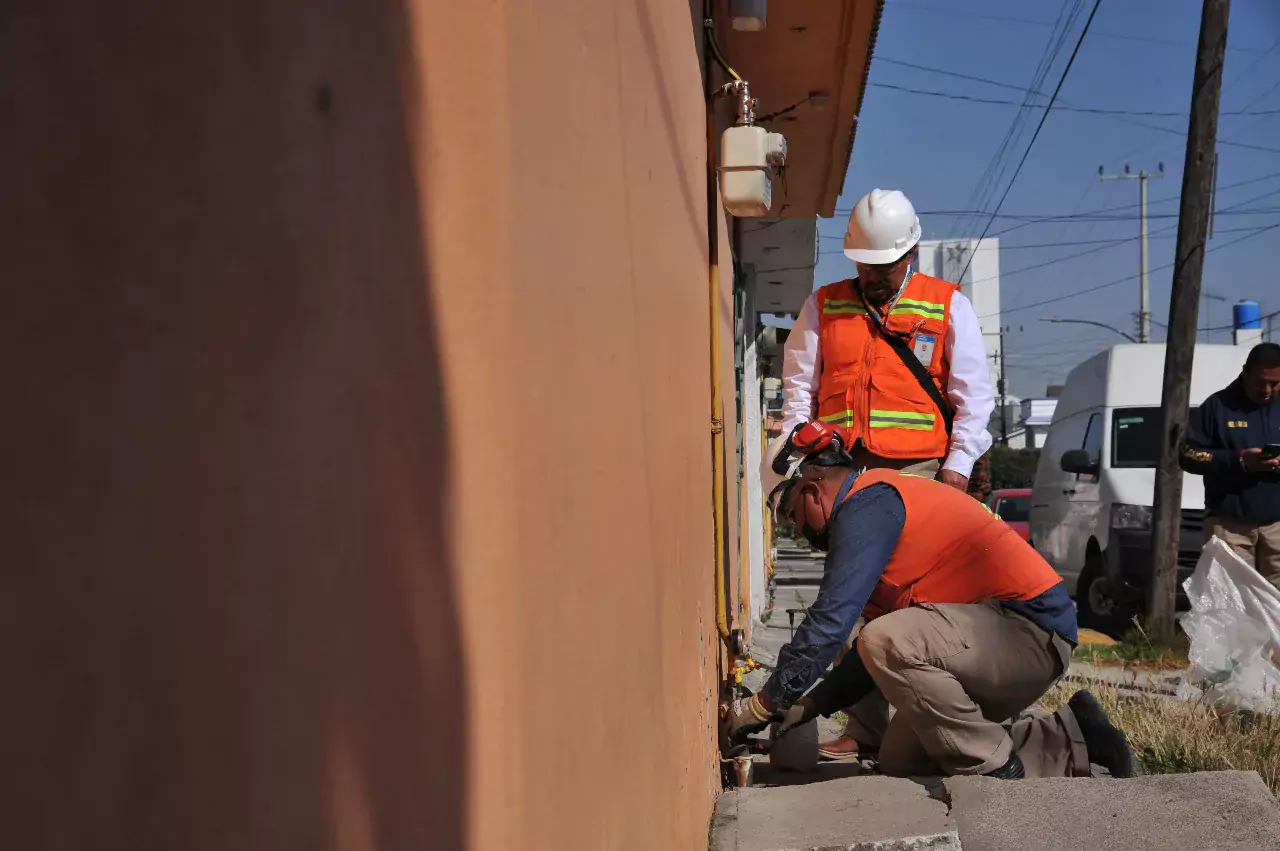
[358,424]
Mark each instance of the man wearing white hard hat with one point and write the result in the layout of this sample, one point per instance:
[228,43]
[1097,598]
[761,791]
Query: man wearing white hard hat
[895,361]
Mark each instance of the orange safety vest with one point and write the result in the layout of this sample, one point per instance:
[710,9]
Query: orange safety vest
[866,390]
[951,550]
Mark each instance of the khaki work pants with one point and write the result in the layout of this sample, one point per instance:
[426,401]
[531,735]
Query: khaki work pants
[869,719]
[1256,543]
[961,678]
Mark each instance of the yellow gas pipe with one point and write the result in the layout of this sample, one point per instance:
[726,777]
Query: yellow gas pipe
[717,453]
[740,656]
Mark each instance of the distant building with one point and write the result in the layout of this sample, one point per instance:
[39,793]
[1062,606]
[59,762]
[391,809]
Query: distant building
[1037,414]
[980,282]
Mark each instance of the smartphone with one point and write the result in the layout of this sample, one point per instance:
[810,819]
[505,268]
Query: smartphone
[1271,450]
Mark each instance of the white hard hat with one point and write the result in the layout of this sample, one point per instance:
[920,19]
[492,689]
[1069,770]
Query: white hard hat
[769,480]
[883,227]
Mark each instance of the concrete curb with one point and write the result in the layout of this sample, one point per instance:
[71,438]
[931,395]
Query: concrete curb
[1206,811]
[845,814]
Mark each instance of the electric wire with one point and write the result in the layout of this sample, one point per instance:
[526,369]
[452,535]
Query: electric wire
[993,174]
[1087,216]
[1124,119]
[967,14]
[709,28]
[1043,118]
[1076,293]
[1061,107]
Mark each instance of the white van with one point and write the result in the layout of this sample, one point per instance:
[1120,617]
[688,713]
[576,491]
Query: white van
[1091,503]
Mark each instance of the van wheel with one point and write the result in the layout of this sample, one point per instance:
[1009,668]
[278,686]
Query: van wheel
[1098,607]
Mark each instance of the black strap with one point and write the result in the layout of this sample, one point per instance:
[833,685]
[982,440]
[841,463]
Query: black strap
[922,375]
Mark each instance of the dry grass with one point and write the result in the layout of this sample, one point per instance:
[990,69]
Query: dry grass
[1172,736]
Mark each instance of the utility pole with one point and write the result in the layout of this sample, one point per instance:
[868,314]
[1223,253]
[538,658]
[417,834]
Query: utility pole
[1184,301]
[1144,292]
[1000,388]
[1001,383]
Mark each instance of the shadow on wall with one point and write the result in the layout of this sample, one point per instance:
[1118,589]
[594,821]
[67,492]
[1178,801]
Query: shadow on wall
[228,607]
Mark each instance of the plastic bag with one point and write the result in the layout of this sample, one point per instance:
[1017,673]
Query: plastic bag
[1234,627]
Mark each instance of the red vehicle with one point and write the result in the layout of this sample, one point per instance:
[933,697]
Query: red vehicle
[1013,506]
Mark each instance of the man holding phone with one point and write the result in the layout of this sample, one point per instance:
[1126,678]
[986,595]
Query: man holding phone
[1234,442]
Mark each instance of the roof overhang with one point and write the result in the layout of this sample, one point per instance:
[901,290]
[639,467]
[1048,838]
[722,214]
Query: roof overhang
[811,61]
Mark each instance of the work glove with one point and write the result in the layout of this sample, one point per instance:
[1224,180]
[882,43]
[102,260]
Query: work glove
[797,715]
[751,718]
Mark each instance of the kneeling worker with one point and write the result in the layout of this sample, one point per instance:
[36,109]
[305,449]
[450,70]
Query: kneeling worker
[966,628]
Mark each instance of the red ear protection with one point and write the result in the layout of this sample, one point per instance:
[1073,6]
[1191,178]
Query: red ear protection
[806,439]
[812,437]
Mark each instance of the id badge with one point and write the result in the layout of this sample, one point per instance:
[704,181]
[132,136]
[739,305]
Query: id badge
[923,348]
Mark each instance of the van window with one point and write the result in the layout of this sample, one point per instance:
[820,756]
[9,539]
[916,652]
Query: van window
[1135,437]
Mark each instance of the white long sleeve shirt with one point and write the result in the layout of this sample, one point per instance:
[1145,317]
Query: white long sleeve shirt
[968,390]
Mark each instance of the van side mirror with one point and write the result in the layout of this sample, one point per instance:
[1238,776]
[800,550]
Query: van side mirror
[1078,461]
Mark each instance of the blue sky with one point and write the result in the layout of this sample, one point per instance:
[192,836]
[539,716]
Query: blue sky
[1139,55]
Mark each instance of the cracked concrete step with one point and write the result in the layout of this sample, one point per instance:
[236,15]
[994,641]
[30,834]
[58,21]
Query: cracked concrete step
[1207,811]
[849,814]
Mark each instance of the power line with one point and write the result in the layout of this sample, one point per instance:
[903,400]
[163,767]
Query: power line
[1232,210]
[1232,326]
[1221,141]
[1166,200]
[1034,22]
[1118,281]
[993,175]
[1067,244]
[1238,77]
[1121,118]
[886,60]
[1060,107]
[1114,241]
[1090,217]
[1043,118]
[1262,96]
[1063,217]
[1177,197]
[1079,254]
[1097,215]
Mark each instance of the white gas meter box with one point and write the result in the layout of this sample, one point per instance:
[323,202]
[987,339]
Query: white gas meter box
[748,155]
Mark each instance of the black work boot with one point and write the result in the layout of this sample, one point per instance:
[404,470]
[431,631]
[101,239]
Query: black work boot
[1107,745]
[1013,769]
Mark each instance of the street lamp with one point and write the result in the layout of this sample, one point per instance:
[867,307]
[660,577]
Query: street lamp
[1057,320]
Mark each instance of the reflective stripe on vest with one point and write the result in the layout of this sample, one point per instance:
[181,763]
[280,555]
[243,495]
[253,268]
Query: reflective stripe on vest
[901,419]
[837,307]
[929,309]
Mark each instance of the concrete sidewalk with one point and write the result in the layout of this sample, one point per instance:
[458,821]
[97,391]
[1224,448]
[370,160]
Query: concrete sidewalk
[844,806]
[847,813]
[1208,811]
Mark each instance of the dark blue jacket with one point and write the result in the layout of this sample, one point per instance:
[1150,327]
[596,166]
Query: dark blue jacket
[1226,424]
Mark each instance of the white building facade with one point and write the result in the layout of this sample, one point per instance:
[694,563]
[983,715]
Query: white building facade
[976,268]
[980,282]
